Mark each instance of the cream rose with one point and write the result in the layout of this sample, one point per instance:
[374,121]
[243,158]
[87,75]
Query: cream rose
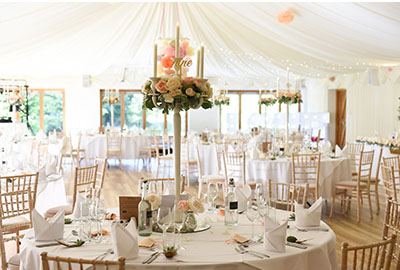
[196,205]
[190,92]
[154,200]
[175,92]
[168,98]
[173,84]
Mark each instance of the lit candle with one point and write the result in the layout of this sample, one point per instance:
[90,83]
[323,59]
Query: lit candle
[177,41]
[155,61]
[198,63]
[202,61]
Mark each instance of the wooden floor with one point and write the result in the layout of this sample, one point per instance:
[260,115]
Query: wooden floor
[125,182]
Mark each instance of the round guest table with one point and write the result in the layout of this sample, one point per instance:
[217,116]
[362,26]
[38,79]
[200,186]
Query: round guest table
[211,249]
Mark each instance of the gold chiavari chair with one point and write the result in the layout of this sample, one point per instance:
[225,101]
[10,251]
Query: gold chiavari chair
[305,169]
[286,194]
[219,152]
[235,165]
[395,163]
[148,151]
[217,179]
[391,225]
[357,188]
[114,146]
[20,182]
[15,206]
[374,181]
[77,153]
[189,165]
[84,177]
[165,157]
[389,184]
[82,263]
[101,171]
[371,256]
[355,150]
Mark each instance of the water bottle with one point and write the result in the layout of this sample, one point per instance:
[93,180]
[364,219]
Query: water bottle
[231,205]
[145,213]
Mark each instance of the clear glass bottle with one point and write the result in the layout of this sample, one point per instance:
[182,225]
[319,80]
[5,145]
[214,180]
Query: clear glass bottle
[145,213]
[231,205]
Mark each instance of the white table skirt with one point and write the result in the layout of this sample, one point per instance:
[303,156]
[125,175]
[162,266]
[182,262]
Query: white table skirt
[96,146]
[207,250]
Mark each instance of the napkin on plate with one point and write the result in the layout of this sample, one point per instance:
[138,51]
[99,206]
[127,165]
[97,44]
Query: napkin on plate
[80,203]
[341,152]
[310,217]
[275,235]
[243,195]
[48,231]
[125,240]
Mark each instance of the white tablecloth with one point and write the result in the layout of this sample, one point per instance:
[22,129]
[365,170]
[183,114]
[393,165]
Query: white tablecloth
[331,172]
[96,146]
[385,153]
[210,249]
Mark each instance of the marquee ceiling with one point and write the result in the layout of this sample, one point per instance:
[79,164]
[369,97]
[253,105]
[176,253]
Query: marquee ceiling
[242,40]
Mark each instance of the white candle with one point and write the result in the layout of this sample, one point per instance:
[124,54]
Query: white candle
[202,61]
[277,83]
[177,41]
[155,61]
[198,63]
[259,93]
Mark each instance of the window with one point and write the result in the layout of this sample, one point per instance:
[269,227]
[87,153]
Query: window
[230,115]
[129,114]
[46,110]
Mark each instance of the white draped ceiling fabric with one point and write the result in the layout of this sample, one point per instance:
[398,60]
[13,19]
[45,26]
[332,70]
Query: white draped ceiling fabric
[243,40]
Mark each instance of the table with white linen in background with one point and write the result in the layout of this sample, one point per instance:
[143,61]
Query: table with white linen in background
[376,149]
[96,145]
[332,170]
[210,249]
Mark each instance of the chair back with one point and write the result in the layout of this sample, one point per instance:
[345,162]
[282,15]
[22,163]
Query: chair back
[393,162]
[305,169]
[285,194]
[219,149]
[378,165]
[14,204]
[371,256]
[199,162]
[235,165]
[365,167]
[20,182]
[389,183]
[355,150]
[72,263]
[114,141]
[84,177]
[101,171]
[391,225]
[165,148]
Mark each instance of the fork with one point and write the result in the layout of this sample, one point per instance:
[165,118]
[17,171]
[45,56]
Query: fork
[102,255]
[242,248]
[251,253]
[150,257]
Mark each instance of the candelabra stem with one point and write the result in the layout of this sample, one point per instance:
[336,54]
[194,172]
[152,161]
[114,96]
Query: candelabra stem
[177,153]
[287,123]
[219,118]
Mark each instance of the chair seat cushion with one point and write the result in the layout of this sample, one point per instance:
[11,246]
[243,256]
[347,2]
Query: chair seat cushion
[14,260]
[15,222]
[52,211]
[350,184]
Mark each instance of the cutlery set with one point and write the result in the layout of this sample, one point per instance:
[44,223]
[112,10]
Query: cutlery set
[151,258]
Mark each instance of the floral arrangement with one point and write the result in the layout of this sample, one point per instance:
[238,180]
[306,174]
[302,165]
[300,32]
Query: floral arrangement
[154,200]
[111,100]
[172,91]
[289,97]
[192,204]
[393,143]
[269,101]
[165,59]
[221,100]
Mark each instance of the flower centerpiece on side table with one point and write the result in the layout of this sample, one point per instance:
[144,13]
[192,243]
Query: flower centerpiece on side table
[289,97]
[266,100]
[174,92]
[220,100]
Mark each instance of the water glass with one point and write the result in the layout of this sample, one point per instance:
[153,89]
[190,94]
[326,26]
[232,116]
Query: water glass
[179,221]
[101,212]
[252,214]
[212,193]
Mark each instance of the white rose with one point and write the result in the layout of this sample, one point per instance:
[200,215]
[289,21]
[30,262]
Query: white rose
[173,84]
[168,98]
[196,205]
[154,200]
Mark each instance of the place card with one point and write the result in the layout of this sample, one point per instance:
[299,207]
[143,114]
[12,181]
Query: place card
[128,207]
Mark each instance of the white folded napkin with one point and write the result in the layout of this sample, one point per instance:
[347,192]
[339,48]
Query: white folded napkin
[51,167]
[310,217]
[275,235]
[243,195]
[341,152]
[125,240]
[79,203]
[48,231]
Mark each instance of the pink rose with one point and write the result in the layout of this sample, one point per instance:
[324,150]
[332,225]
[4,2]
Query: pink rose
[188,80]
[160,86]
[289,94]
[190,92]
[197,83]
[183,206]
[169,51]
[182,51]
[285,17]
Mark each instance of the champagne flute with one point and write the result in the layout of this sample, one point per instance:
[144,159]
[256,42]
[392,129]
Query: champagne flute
[101,212]
[252,214]
[212,194]
[179,222]
[164,219]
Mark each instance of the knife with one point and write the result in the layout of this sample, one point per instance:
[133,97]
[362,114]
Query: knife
[154,257]
[296,245]
[48,245]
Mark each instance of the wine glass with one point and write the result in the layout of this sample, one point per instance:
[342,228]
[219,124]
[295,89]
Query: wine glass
[179,222]
[164,218]
[252,214]
[101,212]
[212,194]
